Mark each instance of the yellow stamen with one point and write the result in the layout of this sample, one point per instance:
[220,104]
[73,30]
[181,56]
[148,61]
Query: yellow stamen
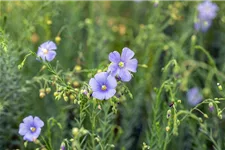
[33,129]
[45,51]
[121,64]
[104,87]
[206,23]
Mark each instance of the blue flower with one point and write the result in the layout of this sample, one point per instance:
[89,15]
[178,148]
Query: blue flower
[31,128]
[202,25]
[103,86]
[122,65]
[47,51]
[207,10]
[194,96]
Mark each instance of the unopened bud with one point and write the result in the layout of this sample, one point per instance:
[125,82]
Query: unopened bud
[219,86]
[77,68]
[42,90]
[167,128]
[76,84]
[56,94]
[65,98]
[206,116]
[88,21]
[57,39]
[168,113]
[49,22]
[211,108]
[85,92]
[42,94]
[75,131]
[179,101]
[97,139]
[178,122]
[48,90]
[72,97]
[193,38]
[99,107]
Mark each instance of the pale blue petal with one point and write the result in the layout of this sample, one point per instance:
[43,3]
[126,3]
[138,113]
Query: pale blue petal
[110,93]
[125,75]
[114,57]
[101,77]
[23,129]
[50,56]
[38,123]
[99,95]
[36,133]
[28,120]
[51,45]
[126,54]
[29,136]
[94,85]
[113,68]
[44,45]
[131,65]
[111,82]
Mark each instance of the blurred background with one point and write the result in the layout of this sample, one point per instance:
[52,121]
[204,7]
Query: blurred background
[85,33]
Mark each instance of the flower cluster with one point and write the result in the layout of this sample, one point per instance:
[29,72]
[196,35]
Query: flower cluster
[206,13]
[103,84]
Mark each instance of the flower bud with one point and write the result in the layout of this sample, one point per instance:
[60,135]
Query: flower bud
[193,38]
[65,98]
[168,113]
[206,92]
[88,21]
[112,146]
[42,94]
[211,108]
[167,128]
[56,94]
[42,90]
[178,122]
[206,116]
[77,68]
[72,97]
[57,39]
[48,90]
[219,86]
[99,107]
[76,84]
[97,139]
[75,131]
[49,22]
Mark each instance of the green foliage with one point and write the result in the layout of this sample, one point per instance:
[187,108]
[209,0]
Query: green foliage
[149,112]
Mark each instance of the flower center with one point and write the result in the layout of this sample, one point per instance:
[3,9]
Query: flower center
[45,51]
[33,129]
[205,23]
[104,87]
[121,64]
